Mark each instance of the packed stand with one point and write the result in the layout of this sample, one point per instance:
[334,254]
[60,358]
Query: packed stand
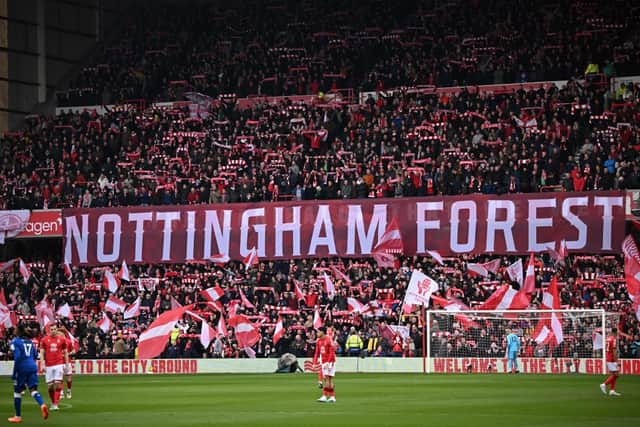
[409,143]
[270,292]
[282,48]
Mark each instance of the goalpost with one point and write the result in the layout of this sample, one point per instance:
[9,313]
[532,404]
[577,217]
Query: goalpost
[552,341]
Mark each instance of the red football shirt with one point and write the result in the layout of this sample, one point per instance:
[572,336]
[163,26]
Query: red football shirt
[68,346]
[53,350]
[612,347]
[326,349]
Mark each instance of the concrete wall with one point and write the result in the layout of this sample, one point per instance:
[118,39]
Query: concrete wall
[46,41]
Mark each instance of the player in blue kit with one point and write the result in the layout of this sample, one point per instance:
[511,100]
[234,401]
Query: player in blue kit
[513,347]
[25,372]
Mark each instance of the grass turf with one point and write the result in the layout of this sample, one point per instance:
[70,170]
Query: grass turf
[363,400]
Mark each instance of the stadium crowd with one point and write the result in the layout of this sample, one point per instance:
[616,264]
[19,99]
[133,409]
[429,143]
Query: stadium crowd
[287,48]
[585,282]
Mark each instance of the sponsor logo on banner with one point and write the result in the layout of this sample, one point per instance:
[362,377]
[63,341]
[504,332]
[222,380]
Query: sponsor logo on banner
[590,222]
[43,224]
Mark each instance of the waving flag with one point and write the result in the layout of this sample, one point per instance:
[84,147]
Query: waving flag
[251,259]
[551,301]
[317,320]
[4,266]
[222,328]
[105,324]
[246,333]
[559,255]
[212,294]
[391,240]
[44,313]
[484,269]
[25,271]
[515,272]
[153,340]
[458,306]
[386,260]
[110,282]
[420,289]
[296,287]
[436,255]
[207,334]
[123,274]
[67,270]
[114,305]
[278,333]
[245,300]
[65,311]
[354,305]
[530,279]
[329,286]
[506,298]
[133,310]
[339,274]
[631,267]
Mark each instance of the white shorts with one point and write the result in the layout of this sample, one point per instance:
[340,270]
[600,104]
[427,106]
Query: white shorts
[613,366]
[68,369]
[53,373]
[329,369]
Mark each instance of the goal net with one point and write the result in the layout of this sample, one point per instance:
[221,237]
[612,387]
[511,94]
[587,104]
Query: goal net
[551,341]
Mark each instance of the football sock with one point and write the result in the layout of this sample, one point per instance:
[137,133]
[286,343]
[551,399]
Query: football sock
[17,404]
[69,382]
[613,382]
[52,396]
[610,380]
[38,397]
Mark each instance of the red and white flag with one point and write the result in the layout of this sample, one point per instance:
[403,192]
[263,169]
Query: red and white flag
[114,305]
[233,306]
[485,268]
[25,271]
[105,324]
[222,327]
[530,279]
[449,304]
[329,286]
[251,353]
[339,274]
[245,300]
[506,298]
[245,331]
[67,270]
[355,306]
[299,293]
[391,240]
[515,272]
[278,333]
[551,301]
[153,340]
[386,260]
[631,267]
[420,289]
[436,255]
[559,255]
[220,259]
[133,310]
[317,320]
[110,282]
[123,274]
[4,266]
[207,334]
[212,294]
[251,259]
[636,306]
[44,313]
[65,311]
[175,303]
[373,309]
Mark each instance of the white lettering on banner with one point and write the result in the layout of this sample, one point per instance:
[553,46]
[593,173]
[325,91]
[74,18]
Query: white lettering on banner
[607,204]
[505,226]
[355,224]
[536,222]
[423,225]
[223,234]
[167,232]
[292,227]
[260,229]
[323,221]
[454,242]
[576,222]
[191,235]
[81,238]
[117,232]
[139,218]
[343,364]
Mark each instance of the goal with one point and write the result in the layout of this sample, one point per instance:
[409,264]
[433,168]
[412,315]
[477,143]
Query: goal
[551,341]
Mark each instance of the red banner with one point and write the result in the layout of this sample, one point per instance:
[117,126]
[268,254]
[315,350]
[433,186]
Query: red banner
[43,223]
[516,224]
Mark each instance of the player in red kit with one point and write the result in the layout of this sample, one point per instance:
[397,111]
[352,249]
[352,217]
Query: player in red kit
[326,351]
[612,364]
[53,352]
[315,359]
[68,367]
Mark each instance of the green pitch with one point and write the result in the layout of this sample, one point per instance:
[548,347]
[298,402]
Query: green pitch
[363,400]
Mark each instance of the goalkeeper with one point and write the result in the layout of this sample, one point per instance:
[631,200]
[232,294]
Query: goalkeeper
[513,347]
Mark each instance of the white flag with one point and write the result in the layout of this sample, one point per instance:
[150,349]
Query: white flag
[420,289]
[515,271]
